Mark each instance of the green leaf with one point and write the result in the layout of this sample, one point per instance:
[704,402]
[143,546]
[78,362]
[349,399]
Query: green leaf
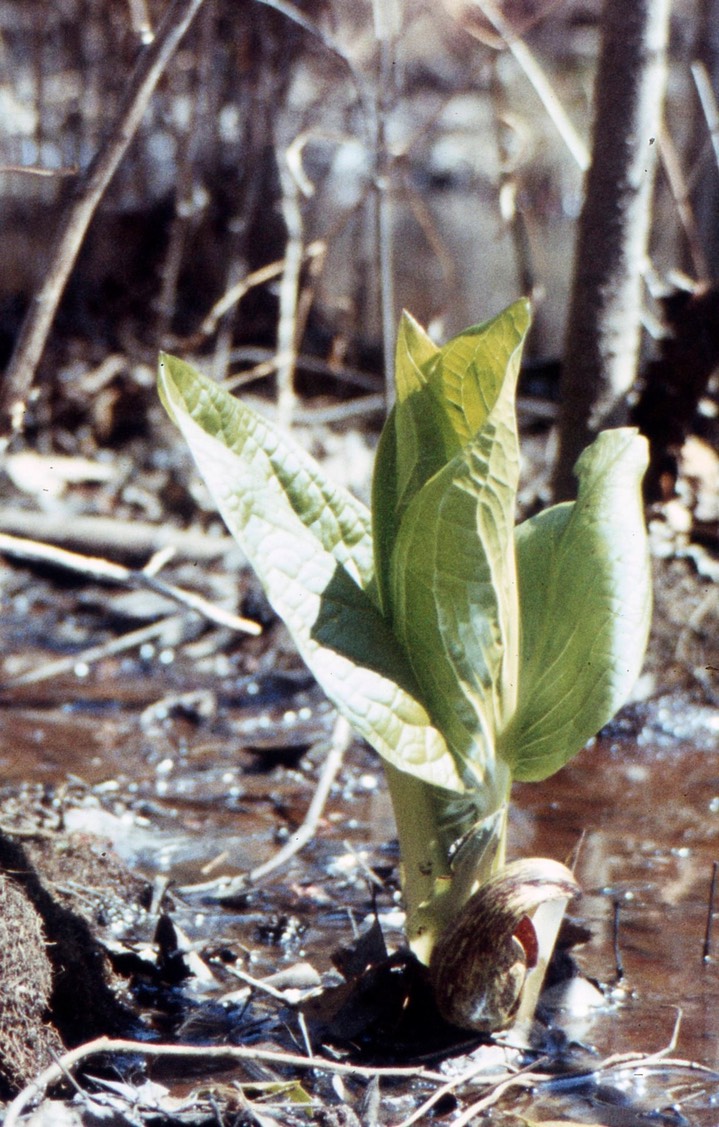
[453,587]
[310,545]
[332,514]
[469,372]
[444,397]
[424,437]
[416,441]
[585,598]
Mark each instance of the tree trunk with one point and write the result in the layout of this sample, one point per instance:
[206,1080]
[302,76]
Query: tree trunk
[604,323]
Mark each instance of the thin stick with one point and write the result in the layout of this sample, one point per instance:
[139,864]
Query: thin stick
[341,739]
[35,170]
[118,537]
[709,105]
[94,567]
[618,963]
[384,14]
[149,69]
[671,163]
[340,412]
[452,1086]
[94,653]
[287,328]
[521,1080]
[235,293]
[186,206]
[706,950]
[293,13]
[257,984]
[55,1072]
[540,84]
[355,376]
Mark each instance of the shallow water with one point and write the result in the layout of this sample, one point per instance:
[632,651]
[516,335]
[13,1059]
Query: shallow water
[212,783]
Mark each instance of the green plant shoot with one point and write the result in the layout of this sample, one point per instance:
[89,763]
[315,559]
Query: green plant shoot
[466,651]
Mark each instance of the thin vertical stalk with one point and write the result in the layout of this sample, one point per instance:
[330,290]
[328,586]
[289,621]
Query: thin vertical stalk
[186,206]
[385,14]
[705,72]
[287,342]
[150,67]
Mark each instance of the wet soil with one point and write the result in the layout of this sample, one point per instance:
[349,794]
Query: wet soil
[135,784]
[138,789]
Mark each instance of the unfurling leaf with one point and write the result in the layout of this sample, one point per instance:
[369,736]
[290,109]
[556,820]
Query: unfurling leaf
[443,506]
[466,652]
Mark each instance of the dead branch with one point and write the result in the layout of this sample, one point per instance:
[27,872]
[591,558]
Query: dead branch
[110,537]
[341,739]
[93,567]
[225,888]
[709,106]
[539,82]
[150,67]
[56,1072]
[93,654]
[35,170]
[679,188]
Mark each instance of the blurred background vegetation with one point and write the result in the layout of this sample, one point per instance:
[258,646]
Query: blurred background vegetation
[303,136]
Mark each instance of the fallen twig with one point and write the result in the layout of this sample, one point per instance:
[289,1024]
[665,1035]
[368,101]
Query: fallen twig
[341,739]
[107,536]
[55,1072]
[94,567]
[456,1082]
[94,653]
[521,1080]
[227,888]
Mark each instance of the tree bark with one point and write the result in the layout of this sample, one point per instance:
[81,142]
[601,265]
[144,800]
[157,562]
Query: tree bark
[604,322]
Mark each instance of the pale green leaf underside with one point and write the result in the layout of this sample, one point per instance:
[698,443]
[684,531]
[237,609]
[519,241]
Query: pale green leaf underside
[257,478]
[585,593]
[332,514]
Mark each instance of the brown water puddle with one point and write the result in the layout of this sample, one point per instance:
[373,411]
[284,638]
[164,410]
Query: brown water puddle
[212,783]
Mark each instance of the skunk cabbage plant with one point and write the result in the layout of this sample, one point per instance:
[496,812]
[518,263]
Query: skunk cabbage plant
[467,651]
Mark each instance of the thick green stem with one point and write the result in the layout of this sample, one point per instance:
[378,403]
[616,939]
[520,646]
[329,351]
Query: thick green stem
[449,845]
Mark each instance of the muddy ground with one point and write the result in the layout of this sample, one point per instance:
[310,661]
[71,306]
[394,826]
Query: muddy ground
[149,788]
